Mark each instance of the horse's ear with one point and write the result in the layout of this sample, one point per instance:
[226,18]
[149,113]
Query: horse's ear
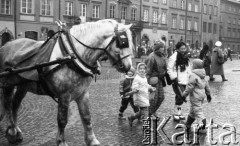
[128,26]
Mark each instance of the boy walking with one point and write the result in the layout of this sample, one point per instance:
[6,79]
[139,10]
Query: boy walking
[197,89]
[140,89]
[125,86]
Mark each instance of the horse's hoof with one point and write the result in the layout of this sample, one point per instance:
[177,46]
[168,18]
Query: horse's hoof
[13,139]
[63,144]
[92,141]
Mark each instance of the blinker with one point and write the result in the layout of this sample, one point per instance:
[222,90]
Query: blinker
[122,40]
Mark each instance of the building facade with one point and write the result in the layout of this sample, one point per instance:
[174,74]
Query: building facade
[230,24]
[185,22]
[154,18]
[7,29]
[210,21]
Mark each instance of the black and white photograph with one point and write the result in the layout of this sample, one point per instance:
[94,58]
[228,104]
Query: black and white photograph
[119,72]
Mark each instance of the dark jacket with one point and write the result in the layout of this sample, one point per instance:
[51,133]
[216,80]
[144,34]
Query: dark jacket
[125,86]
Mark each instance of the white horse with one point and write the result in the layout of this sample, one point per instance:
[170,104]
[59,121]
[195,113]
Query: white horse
[69,81]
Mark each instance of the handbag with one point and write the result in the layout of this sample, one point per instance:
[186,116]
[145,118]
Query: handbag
[220,60]
[153,80]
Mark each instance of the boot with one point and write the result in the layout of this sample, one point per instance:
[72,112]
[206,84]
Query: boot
[180,113]
[175,115]
[223,78]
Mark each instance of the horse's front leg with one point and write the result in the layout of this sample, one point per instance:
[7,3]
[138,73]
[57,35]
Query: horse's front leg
[83,107]
[62,118]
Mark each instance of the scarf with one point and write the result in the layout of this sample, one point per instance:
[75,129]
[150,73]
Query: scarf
[182,61]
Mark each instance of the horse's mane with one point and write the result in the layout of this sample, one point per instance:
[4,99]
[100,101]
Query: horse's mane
[90,26]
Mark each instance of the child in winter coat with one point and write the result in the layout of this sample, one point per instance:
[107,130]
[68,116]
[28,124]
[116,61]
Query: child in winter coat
[140,89]
[197,89]
[125,86]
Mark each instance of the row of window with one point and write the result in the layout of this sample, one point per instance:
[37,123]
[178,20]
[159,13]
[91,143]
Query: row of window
[210,10]
[191,6]
[233,32]
[182,24]
[161,18]
[27,7]
[231,8]
[210,27]
[156,1]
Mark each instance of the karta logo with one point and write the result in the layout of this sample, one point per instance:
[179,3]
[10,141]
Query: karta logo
[151,131]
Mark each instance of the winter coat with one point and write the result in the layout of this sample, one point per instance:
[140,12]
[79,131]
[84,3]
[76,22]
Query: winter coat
[125,85]
[171,69]
[141,98]
[197,89]
[216,68]
[156,66]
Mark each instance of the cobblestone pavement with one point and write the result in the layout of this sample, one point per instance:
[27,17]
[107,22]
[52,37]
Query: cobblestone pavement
[37,116]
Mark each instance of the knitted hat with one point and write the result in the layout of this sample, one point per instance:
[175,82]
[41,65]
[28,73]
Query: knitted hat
[197,64]
[158,44]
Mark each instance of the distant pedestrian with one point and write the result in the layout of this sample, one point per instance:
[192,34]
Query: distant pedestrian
[216,66]
[205,55]
[229,53]
[197,89]
[140,89]
[179,70]
[125,86]
[156,70]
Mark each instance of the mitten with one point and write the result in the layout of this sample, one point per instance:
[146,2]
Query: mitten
[209,98]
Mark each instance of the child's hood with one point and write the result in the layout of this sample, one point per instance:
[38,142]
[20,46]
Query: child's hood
[200,72]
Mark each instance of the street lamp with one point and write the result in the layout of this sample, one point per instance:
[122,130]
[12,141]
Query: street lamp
[191,31]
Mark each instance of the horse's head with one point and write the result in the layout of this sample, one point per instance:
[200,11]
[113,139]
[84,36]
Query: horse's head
[120,45]
[108,37]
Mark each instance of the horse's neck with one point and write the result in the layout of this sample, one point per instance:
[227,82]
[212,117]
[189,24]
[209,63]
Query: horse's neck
[87,54]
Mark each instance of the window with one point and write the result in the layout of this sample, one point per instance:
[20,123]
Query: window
[229,32]
[182,24]
[133,14]
[233,34]
[209,27]
[96,11]
[229,19]
[5,6]
[83,10]
[210,10]
[189,7]
[214,28]
[238,21]
[46,7]
[215,11]
[164,1]
[204,26]
[182,4]
[196,8]
[188,25]
[205,9]
[221,19]
[234,21]
[195,26]
[174,22]
[124,13]
[164,17]
[155,1]
[112,11]
[145,15]
[155,16]
[230,8]
[68,8]
[27,6]
[174,4]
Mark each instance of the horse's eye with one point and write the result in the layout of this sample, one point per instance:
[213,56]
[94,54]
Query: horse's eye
[117,52]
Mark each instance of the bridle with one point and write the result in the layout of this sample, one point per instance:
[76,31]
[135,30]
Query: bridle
[116,37]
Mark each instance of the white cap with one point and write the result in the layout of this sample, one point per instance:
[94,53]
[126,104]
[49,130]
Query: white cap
[218,44]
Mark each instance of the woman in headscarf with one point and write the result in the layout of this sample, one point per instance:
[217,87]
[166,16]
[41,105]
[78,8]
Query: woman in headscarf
[156,69]
[179,70]
[205,55]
